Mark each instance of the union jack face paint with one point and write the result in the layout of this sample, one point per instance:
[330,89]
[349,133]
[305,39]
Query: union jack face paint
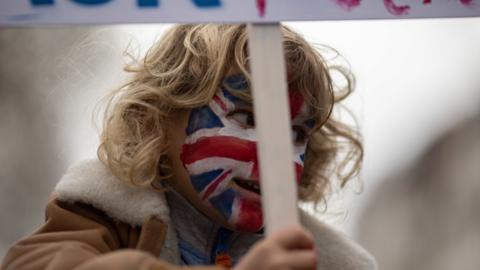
[220,153]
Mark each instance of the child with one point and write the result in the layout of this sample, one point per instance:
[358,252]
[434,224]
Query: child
[178,181]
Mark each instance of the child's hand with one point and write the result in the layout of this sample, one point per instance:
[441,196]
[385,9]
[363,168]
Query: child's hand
[291,248]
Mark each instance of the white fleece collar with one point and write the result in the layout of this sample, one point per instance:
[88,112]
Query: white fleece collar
[92,183]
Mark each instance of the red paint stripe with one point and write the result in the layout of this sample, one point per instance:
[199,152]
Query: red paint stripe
[227,147]
[298,172]
[219,146]
[250,218]
[296,102]
[213,186]
[255,173]
[220,102]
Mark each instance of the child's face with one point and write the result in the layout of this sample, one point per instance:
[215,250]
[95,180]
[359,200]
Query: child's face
[219,154]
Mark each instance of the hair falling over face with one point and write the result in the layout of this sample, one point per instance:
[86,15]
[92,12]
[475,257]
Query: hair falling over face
[184,70]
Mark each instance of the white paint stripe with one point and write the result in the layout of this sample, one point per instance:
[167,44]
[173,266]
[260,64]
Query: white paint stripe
[239,168]
[235,211]
[228,130]
[221,186]
[246,134]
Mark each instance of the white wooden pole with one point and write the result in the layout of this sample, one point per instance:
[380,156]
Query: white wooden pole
[272,118]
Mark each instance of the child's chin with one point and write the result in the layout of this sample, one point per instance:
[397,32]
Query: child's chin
[250,229]
[249,222]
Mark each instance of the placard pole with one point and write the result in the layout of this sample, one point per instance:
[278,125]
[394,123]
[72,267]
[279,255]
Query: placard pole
[272,118]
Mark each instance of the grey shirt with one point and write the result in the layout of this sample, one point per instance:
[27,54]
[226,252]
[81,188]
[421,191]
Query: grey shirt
[197,234]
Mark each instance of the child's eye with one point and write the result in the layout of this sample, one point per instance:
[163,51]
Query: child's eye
[243,117]
[299,135]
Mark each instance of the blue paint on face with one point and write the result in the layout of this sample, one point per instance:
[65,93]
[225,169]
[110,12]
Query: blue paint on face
[302,157]
[201,118]
[310,123]
[202,180]
[230,97]
[237,82]
[224,202]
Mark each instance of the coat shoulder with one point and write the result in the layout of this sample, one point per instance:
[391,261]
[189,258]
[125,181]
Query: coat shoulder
[335,249]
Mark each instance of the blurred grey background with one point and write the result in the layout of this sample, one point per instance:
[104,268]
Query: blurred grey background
[417,80]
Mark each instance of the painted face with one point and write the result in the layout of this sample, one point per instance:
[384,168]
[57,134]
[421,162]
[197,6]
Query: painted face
[220,153]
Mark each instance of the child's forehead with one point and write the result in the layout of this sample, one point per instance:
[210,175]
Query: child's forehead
[237,82]
[236,89]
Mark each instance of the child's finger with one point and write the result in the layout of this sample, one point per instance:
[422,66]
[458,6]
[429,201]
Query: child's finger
[300,259]
[294,238]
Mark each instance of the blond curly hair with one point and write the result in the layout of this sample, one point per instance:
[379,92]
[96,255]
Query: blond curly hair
[184,70]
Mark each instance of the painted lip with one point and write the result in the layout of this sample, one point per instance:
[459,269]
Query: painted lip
[245,193]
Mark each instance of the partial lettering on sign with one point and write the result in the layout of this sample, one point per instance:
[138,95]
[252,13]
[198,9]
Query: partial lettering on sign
[13,12]
[140,3]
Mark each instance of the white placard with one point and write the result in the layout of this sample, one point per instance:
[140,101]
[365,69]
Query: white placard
[25,12]
[272,115]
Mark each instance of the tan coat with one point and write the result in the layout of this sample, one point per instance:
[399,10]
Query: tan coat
[96,221]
